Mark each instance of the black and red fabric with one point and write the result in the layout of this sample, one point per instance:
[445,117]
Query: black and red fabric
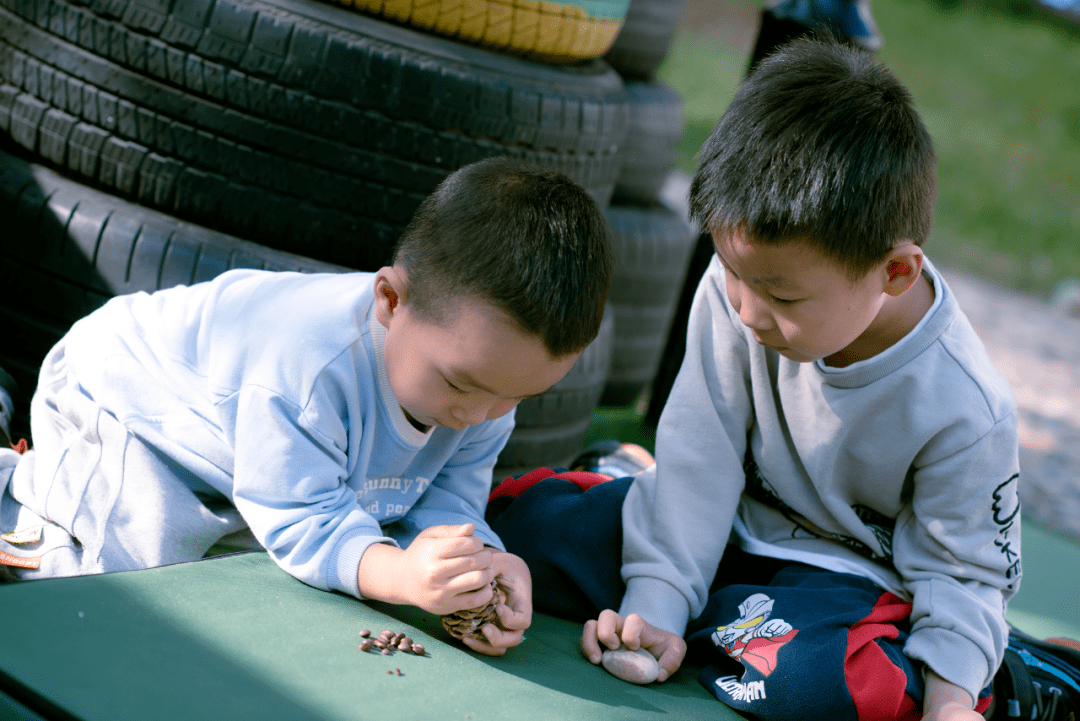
[773,633]
[567,526]
[514,487]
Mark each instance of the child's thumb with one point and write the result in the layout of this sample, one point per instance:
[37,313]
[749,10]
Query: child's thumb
[465,529]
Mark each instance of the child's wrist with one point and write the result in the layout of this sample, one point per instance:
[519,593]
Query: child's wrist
[376,577]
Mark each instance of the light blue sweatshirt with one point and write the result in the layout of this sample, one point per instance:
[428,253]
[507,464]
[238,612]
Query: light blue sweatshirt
[269,388]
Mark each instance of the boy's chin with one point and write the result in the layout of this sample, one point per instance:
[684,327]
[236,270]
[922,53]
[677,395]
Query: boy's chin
[790,354]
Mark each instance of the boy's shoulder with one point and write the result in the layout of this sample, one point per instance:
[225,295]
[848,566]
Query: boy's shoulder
[967,350]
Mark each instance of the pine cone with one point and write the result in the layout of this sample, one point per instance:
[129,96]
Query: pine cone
[469,622]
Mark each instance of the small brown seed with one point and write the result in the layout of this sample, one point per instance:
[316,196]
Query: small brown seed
[403,646]
[365,633]
[418,649]
[386,652]
[379,643]
[367,645]
[398,670]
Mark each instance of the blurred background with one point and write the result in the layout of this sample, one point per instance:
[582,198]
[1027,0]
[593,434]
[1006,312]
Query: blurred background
[998,85]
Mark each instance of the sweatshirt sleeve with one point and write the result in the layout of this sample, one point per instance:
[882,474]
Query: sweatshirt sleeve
[957,547]
[459,492]
[677,516]
[289,484]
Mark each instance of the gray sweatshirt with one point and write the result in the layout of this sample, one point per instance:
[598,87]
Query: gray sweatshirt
[902,468]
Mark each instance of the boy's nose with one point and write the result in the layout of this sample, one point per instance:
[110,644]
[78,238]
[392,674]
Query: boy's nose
[753,312]
[481,410]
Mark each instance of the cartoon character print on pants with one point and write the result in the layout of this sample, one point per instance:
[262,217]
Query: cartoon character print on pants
[754,639]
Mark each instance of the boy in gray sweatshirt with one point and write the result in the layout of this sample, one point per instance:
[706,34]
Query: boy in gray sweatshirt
[831,525]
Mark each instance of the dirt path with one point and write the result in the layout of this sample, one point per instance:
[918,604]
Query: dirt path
[1038,351]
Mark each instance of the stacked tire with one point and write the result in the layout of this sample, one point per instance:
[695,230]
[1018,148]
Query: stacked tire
[149,143]
[654,238]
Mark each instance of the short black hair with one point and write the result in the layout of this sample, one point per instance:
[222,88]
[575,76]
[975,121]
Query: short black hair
[526,239]
[822,144]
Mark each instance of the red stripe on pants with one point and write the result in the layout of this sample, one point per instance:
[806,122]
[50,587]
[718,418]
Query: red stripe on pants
[877,686]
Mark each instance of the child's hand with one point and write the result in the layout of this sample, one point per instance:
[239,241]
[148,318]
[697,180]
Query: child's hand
[515,615]
[445,569]
[954,712]
[611,630]
[945,702]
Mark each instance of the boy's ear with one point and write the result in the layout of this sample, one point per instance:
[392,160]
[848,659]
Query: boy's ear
[390,292]
[903,267]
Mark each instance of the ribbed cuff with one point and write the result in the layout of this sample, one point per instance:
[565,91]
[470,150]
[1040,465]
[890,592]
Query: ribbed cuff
[658,602]
[955,658]
[344,562]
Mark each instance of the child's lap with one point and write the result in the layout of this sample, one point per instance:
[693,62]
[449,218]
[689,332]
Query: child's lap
[768,623]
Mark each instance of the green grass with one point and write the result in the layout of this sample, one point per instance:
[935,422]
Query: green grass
[998,85]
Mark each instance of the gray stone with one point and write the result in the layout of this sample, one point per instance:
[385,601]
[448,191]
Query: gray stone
[633,666]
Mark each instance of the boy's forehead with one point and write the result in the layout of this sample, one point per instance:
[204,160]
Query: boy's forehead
[778,265]
[489,352]
[769,264]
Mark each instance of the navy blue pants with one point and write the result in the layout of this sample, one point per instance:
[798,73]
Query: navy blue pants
[775,638]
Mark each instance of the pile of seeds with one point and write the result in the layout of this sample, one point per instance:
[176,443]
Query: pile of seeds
[388,642]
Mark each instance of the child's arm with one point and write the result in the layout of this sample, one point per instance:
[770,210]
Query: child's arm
[677,516]
[944,701]
[611,630]
[445,569]
[957,547]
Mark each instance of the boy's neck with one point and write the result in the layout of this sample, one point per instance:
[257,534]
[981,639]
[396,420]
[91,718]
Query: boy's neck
[897,318]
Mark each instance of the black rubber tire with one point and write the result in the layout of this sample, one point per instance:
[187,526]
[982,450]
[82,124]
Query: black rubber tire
[657,124]
[653,245]
[532,448]
[578,393]
[551,428]
[645,38]
[91,246]
[70,248]
[296,124]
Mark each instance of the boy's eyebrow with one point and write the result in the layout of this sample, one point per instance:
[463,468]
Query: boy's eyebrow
[775,281]
[468,380]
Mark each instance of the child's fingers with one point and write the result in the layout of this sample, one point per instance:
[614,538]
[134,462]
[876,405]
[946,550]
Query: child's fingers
[590,646]
[465,529]
[608,627]
[481,646]
[447,547]
[452,564]
[495,641]
[472,589]
[632,630]
[671,658]
[513,620]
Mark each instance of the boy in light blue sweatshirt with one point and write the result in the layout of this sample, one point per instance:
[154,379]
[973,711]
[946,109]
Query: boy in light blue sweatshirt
[351,422]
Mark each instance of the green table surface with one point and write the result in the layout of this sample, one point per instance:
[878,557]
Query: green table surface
[236,638]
